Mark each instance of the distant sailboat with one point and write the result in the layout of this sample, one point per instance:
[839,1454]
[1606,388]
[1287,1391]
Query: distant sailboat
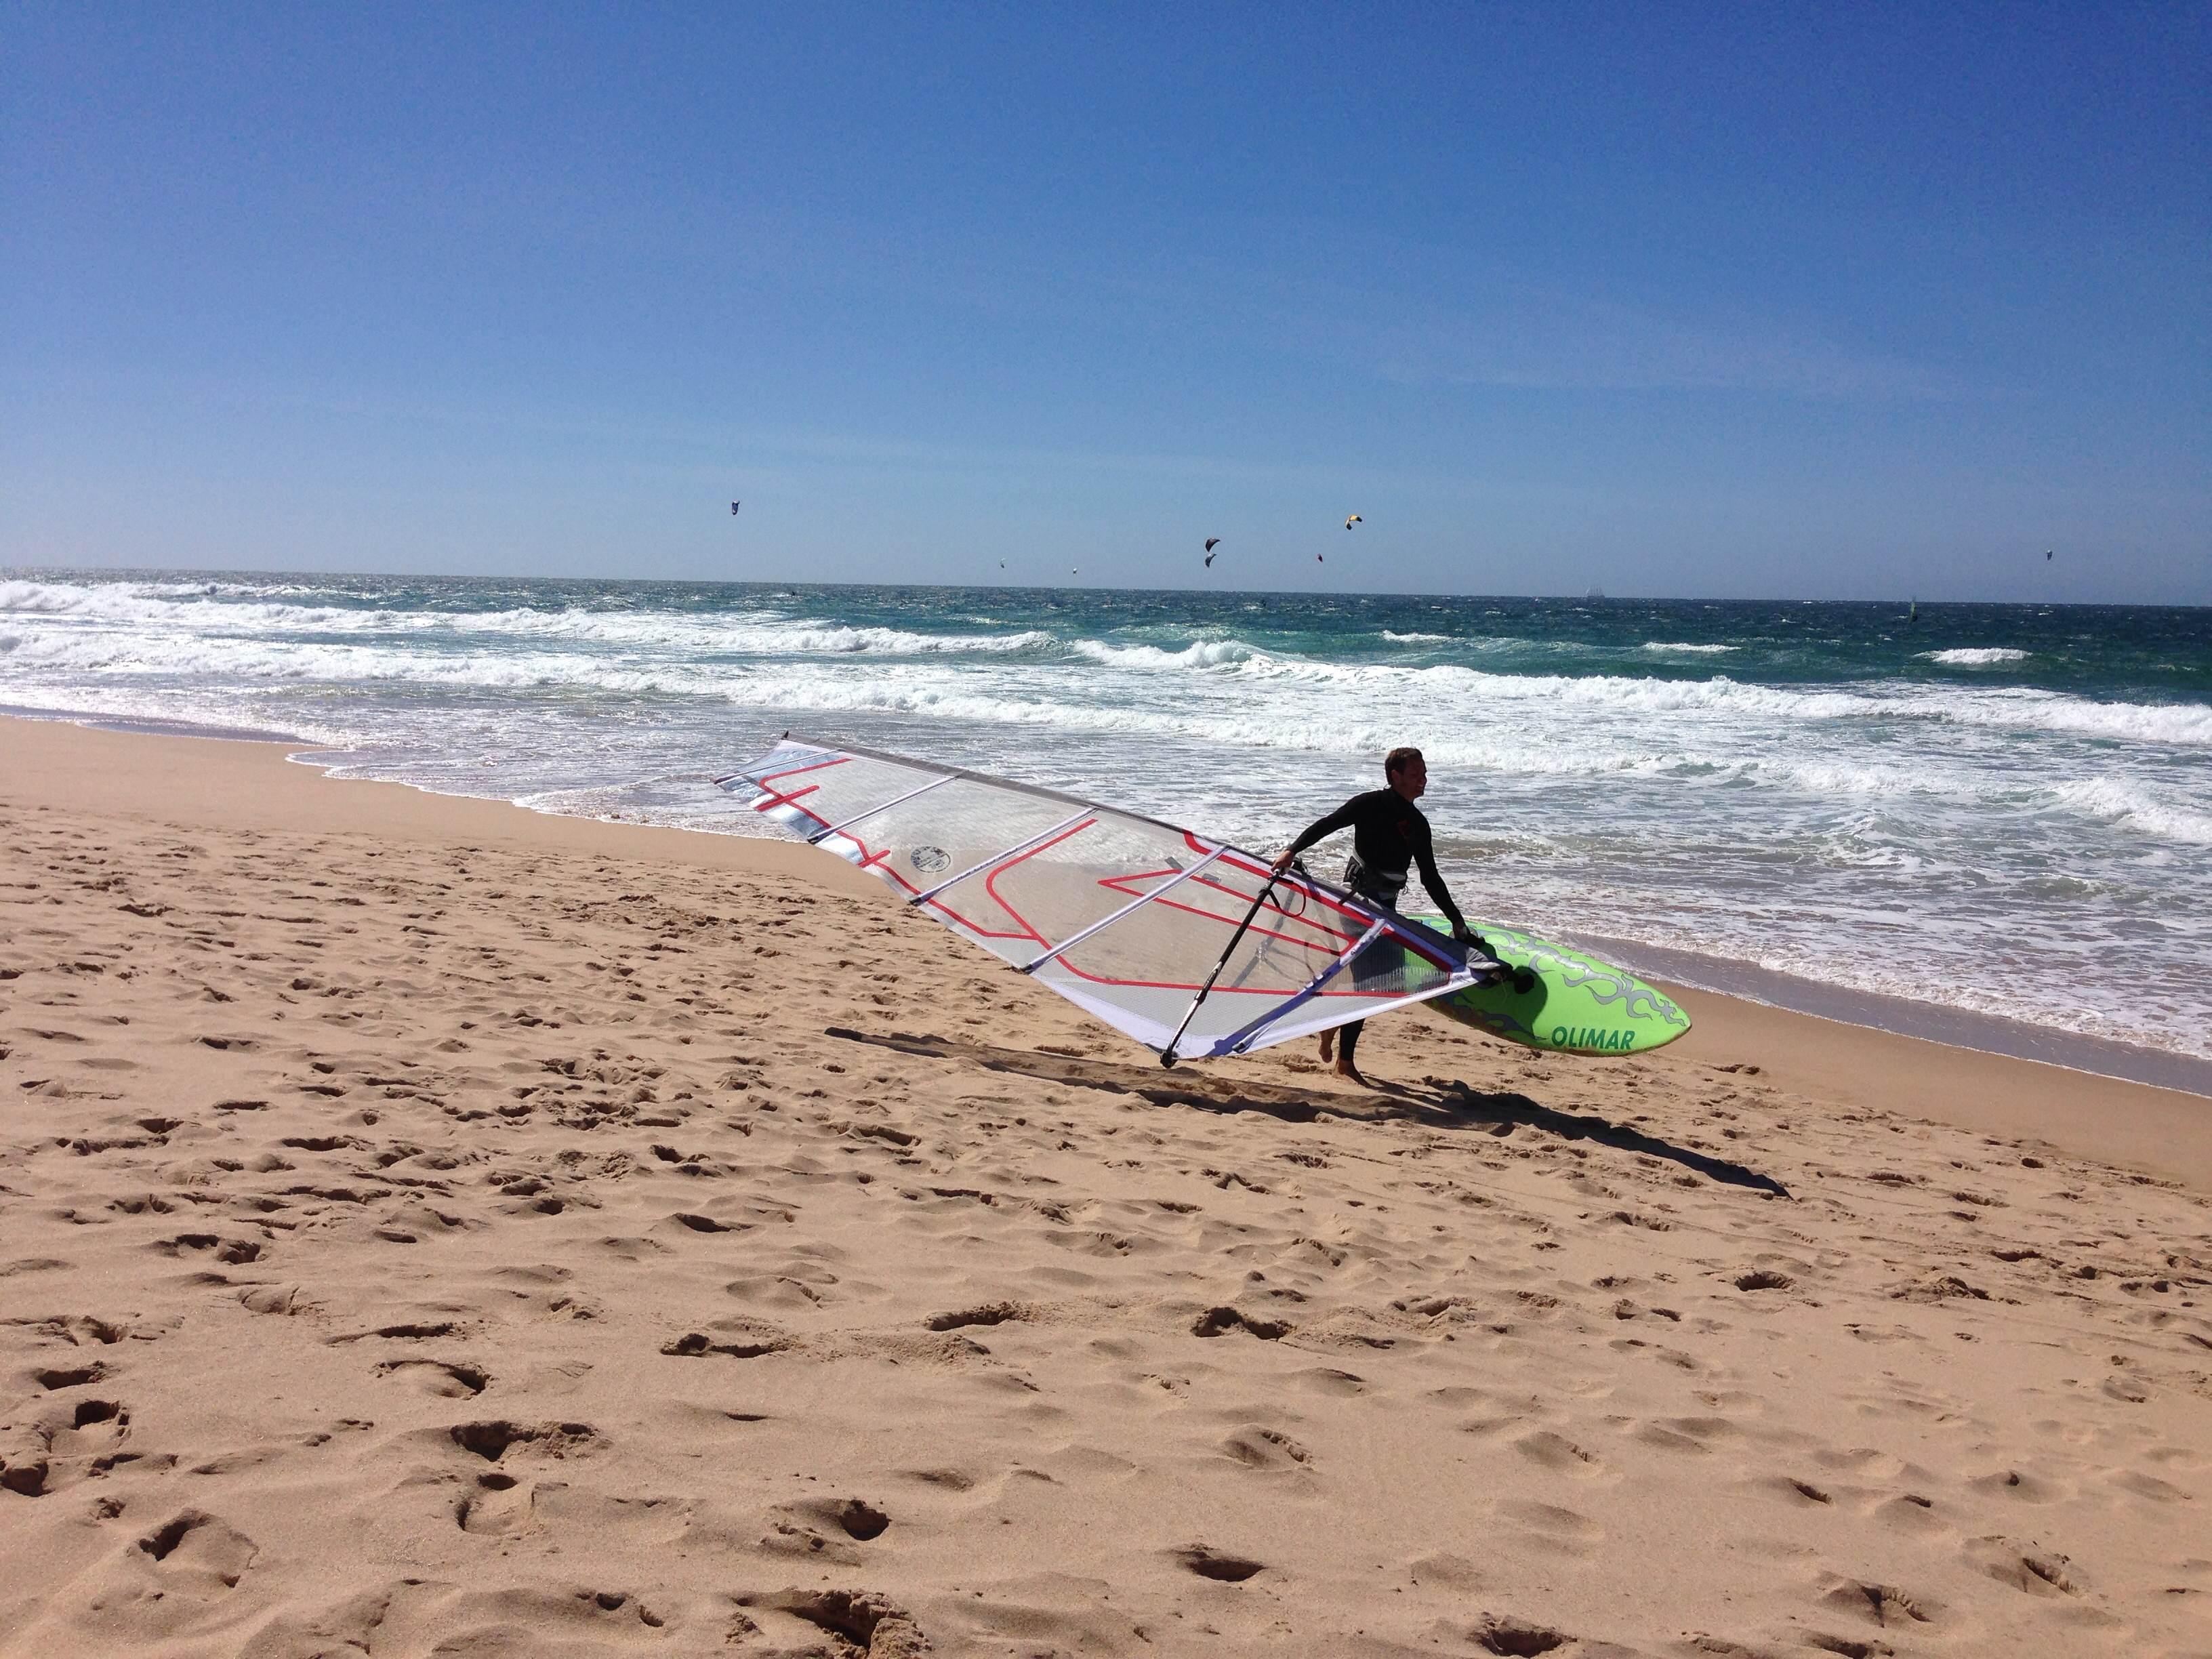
[1594,593]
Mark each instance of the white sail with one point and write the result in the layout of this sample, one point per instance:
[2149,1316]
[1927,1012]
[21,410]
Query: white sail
[1123,914]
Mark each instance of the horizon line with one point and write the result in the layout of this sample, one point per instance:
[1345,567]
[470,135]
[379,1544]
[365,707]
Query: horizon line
[14,571]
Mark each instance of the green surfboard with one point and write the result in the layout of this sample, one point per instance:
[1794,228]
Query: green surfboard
[1577,1004]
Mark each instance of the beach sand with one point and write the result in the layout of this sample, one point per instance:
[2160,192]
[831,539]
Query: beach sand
[429,1227]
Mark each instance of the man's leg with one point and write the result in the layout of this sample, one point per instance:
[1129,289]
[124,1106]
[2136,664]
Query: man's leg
[1378,964]
[1345,1067]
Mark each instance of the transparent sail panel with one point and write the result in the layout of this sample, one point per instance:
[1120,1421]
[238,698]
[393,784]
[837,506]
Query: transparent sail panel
[810,790]
[931,838]
[1042,895]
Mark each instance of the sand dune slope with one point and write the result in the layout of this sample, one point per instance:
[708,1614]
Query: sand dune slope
[474,1250]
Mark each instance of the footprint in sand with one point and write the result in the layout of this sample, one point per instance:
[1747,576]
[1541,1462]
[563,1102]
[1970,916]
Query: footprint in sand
[438,1377]
[1221,1565]
[1258,1447]
[989,1313]
[494,1439]
[858,1621]
[778,1291]
[197,1555]
[1518,1638]
[70,1376]
[499,1506]
[1882,1605]
[2024,1567]
[792,1538]
[706,1224]
[1218,1321]
[2150,1486]
[1551,1528]
[1559,1454]
[945,1479]
[1910,1512]
[2016,1485]
[854,1517]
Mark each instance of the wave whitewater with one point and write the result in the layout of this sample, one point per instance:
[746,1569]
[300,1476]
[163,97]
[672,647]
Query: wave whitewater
[1983,656]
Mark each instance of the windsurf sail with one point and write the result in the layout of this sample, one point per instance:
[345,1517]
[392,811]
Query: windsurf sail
[1123,914]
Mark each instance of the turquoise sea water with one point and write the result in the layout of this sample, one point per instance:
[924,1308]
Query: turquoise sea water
[1999,808]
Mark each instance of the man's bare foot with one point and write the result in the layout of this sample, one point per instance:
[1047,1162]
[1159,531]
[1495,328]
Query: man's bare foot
[1328,1045]
[1346,1068]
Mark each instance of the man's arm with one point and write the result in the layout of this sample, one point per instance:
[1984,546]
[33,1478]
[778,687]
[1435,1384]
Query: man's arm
[1320,829]
[1424,856]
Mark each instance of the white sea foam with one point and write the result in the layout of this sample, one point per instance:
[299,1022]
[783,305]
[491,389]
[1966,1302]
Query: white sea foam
[1692,650]
[1975,656]
[172,608]
[1201,654]
[528,646]
[1417,638]
[2116,801]
[803,638]
[2034,710]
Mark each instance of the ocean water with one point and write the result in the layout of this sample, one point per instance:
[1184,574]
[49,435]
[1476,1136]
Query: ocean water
[2004,809]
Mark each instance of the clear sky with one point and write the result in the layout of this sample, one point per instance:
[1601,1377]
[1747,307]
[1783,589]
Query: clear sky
[1678,300]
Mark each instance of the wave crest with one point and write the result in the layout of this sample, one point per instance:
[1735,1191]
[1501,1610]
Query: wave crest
[2115,802]
[1202,653]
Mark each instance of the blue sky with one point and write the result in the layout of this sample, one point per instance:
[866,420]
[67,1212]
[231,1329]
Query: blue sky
[1674,300]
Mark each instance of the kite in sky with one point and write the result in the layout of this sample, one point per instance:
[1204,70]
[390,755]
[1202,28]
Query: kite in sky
[734,507]
[1211,542]
[1351,521]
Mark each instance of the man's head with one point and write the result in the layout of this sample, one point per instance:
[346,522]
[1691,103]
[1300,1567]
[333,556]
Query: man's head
[1407,772]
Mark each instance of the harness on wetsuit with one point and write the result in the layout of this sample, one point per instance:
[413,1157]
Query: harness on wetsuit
[1371,881]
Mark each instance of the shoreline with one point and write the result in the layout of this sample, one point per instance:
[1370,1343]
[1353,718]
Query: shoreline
[1943,1025]
[234,783]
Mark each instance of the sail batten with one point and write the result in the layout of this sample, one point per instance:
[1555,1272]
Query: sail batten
[1123,915]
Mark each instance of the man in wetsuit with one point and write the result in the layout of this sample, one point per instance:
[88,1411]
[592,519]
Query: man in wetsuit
[1390,840]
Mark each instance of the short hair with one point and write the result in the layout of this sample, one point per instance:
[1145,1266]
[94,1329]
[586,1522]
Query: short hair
[1397,760]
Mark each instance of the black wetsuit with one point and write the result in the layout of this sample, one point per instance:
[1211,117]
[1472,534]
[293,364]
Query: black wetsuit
[1389,840]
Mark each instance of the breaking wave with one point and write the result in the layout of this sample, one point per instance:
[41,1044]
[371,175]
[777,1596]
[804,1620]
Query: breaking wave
[1204,654]
[2113,801]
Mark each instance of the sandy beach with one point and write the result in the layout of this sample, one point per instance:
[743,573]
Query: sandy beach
[431,1227]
